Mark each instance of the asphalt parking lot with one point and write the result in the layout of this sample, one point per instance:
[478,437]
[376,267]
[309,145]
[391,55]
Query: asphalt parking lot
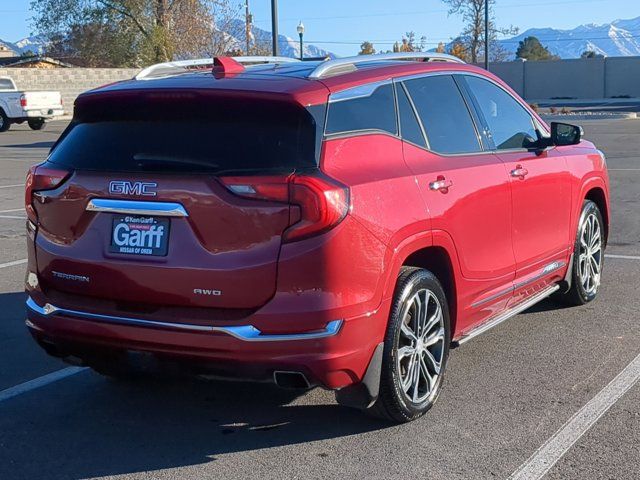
[523,394]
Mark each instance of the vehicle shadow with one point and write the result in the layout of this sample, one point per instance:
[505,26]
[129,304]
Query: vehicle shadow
[88,426]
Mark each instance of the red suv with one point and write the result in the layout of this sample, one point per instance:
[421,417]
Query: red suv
[338,224]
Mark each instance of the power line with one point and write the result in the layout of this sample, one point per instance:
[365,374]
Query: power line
[426,12]
[542,40]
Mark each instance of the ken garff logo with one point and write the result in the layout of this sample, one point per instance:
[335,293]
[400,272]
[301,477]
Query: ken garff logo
[123,187]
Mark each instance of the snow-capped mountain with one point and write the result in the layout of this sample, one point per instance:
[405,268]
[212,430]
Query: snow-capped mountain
[620,38]
[235,36]
[288,46]
[35,44]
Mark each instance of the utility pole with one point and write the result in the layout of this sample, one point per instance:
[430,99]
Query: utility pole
[274,27]
[248,20]
[486,34]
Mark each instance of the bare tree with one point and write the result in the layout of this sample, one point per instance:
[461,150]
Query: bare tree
[135,32]
[473,35]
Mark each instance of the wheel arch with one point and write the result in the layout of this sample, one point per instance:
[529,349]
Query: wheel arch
[597,195]
[437,260]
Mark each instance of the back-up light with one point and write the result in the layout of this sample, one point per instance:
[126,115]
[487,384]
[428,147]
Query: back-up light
[319,203]
[40,178]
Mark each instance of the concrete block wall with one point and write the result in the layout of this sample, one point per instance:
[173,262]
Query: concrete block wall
[70,82]
[592,78]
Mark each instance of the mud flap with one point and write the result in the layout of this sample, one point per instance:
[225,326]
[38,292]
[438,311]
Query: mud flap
[364,394]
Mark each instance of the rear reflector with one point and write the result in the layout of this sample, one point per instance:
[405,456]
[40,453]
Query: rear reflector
[40,178]
[318,202]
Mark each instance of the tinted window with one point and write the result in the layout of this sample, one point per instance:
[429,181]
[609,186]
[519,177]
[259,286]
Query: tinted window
[6,84]
[409,126]
[444,114]
[509,122]
[374,112]
[240,141]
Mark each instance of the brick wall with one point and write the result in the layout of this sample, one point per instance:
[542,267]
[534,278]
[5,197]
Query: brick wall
[71,82]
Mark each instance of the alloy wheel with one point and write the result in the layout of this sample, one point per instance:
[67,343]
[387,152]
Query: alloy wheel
[590,254]
[420,347]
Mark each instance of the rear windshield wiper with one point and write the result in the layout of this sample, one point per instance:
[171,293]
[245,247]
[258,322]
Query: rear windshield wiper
[159,162]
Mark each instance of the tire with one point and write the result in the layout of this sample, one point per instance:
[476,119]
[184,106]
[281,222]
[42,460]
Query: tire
[36,124]
[5,123]
[588,260]
[401,399]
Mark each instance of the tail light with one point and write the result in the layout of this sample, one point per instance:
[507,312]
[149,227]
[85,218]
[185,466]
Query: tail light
[23,101]
[40,178]
[318,203]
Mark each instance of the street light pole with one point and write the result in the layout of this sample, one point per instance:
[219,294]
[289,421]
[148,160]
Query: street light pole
[301,33]
[247,31]
[486,34]
[274,27]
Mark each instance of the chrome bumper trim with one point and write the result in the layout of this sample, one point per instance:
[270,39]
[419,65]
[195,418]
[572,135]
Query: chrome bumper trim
[247,333]
[137,207]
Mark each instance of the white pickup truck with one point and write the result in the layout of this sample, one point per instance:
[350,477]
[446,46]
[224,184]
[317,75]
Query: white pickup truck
[31,107]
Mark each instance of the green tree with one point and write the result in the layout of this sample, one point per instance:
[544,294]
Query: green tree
[472,36]
[367,49]
[591,54]
[531,49]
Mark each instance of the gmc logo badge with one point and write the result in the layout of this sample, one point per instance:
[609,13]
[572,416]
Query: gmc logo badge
[122,187]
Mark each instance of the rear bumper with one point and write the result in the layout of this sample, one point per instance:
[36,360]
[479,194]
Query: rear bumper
[334,357]
[44,113]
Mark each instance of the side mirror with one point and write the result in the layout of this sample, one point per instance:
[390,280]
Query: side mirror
[563,134]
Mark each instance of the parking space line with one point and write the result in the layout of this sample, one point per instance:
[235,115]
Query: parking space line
[11,264]
[554,449]
[624,169]
[39,382]
[13,217]
[624,257]
[12,186]
[13,210]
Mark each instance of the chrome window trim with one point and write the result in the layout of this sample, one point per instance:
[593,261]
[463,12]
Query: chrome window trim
[360,133]
[361,91]
[246,333]
[136,207]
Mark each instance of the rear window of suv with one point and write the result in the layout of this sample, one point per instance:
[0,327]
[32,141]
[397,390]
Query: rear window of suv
[248,138]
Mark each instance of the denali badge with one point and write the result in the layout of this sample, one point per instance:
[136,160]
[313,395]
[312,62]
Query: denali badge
[122,187]
[202,291]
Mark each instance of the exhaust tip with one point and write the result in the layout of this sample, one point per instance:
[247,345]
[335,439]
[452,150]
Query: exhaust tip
[291,380]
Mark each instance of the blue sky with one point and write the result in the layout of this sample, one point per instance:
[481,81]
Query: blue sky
[341,25]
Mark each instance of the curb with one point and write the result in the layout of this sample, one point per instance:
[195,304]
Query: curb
[591,116]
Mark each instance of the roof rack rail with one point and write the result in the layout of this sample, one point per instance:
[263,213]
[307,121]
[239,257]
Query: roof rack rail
[348,64]
[182,66]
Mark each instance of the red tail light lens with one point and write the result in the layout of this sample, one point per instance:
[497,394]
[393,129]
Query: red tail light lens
[40,178]
[23,101]
[323,204]
[319,203]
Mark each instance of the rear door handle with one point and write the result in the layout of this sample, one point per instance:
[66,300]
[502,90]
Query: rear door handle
[519,172]
[441,184]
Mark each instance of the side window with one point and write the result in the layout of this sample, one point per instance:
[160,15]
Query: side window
[409,126]
[444,114]
[373,112]
[510,124]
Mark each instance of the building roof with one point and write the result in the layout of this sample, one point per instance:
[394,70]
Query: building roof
[25,61]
